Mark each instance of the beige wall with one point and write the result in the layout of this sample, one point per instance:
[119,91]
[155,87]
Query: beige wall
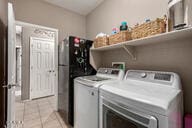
[3,12]
[41,13]
[112,12]
[172,56]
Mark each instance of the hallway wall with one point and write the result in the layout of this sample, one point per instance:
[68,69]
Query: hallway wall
[28,32]
[45,14]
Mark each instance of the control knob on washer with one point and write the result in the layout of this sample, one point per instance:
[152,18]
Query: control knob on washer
[143,75]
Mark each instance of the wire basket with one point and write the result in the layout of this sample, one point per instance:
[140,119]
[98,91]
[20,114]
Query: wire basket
[122,36]
[149,28]
[101,41]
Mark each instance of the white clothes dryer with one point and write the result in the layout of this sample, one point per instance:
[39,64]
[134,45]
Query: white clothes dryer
[144,99]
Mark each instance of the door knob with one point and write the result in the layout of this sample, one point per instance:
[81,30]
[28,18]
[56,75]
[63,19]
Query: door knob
[9,86]
[51,71]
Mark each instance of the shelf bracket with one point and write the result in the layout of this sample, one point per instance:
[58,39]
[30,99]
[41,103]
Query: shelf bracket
[131,51]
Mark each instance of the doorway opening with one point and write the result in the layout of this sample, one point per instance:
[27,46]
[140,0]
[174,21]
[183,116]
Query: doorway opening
[18,61]
[36,76]
[18,72]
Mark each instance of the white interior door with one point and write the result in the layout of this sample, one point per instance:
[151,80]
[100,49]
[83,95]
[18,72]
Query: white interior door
[42,67]
[11,67]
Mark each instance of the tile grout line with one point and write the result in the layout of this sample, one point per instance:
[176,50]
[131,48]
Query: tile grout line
[58,120]
[55,114]
[39,114]
[50,104]
[17,111]
[23,115]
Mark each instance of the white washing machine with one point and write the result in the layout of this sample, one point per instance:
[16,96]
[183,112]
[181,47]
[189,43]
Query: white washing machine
[144,99]
[86,96]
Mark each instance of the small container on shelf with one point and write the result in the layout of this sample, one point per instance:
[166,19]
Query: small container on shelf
[115,31]
[123,26]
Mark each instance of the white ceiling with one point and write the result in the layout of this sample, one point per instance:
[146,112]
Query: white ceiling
[82,7]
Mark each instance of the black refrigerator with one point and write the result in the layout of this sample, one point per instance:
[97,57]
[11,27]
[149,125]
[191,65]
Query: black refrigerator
[74,62]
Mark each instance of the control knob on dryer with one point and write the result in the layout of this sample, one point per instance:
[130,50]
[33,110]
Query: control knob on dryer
[143,75]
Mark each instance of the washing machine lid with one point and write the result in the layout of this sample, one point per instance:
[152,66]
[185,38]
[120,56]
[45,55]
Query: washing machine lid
[92,81]
[94,78]
[103,75]
[157,99]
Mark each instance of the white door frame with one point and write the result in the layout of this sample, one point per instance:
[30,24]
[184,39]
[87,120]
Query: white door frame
[56,53]
[31,41]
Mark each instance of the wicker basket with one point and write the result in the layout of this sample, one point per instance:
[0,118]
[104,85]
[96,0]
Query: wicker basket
[120,37]
[148,29]
[101,41]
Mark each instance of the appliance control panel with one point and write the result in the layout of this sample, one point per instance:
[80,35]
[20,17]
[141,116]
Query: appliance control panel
[163,78]
[150,75]
[110,72]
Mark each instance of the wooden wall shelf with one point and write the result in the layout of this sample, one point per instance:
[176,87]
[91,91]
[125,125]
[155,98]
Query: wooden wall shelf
[164,37]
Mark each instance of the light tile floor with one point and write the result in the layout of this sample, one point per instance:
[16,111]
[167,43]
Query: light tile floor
[38,114]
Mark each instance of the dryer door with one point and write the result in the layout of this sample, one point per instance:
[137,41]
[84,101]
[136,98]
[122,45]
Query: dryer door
[116,115]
